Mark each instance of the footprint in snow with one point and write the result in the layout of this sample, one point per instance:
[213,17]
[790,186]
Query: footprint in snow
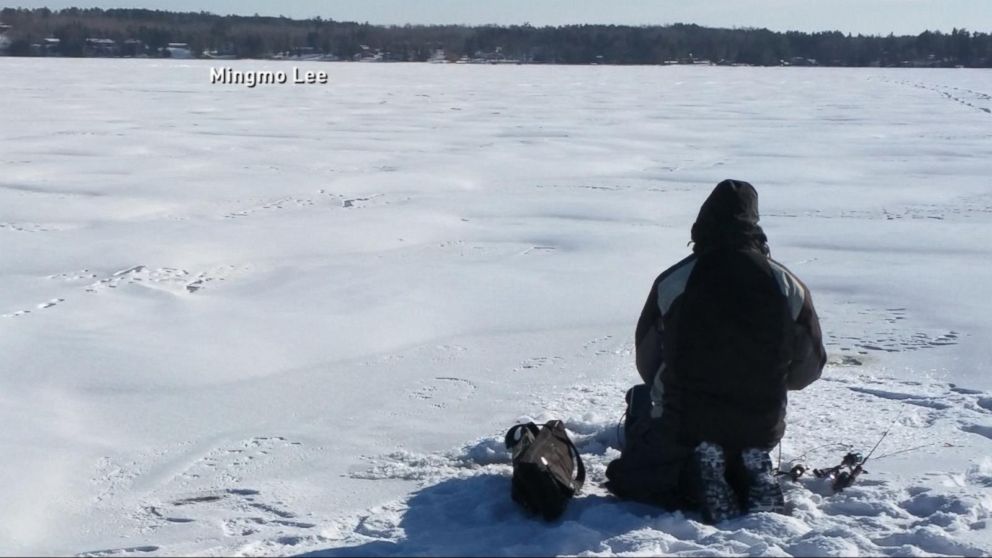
[537,362]
[50,303]
[240,512]
[442,389]
[980,429]
[911,399]
[175,280]
[16,314]
[120,551]
[40,306]
[229,462]
[985,403]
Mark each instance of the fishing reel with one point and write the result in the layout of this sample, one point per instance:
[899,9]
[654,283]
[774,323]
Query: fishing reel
[852,459]
[842,478]
[845,479]
[794,473]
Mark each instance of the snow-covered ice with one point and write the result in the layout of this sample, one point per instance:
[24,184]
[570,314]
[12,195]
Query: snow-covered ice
[299,319]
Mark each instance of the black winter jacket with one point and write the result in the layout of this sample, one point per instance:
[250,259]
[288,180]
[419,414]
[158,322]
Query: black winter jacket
[727,331]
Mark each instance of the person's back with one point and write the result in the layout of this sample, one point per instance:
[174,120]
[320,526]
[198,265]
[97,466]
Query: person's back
[722,337]
[727,341]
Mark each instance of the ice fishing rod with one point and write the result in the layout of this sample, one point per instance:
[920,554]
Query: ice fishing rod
[854,464]
[914,448]
[799,468]
[849,469]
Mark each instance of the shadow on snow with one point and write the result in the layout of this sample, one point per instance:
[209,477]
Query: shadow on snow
[475,516]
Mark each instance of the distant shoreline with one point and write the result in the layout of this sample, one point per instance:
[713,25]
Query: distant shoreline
[123,33]
[297,62]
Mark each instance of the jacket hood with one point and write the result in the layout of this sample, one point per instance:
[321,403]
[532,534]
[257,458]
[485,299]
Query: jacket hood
[729,218]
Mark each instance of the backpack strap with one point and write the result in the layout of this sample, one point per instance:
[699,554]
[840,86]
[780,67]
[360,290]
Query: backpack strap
[580,477]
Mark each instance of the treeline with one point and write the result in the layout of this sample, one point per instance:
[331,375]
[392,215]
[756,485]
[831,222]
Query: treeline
[259,37]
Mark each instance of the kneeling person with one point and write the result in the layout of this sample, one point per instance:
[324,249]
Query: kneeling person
[724,334]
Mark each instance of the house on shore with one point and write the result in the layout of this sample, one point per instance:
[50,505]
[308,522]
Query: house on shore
[799,61]
[4,40]
[438,57]
[368,54]
[47,47]
[492,57]
[305,53]
[134,48]
[100,47]
[179,50]
[219,55]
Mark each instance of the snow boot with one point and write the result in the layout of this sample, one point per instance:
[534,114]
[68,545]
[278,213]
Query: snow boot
[717,499]
[764,494]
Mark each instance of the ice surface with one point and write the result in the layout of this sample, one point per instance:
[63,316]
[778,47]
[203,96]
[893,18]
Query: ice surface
[259,320]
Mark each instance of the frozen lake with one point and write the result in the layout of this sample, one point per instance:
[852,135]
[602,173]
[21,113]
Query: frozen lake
[195,274]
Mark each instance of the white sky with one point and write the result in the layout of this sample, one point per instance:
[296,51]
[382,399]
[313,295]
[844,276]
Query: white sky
[851,16]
